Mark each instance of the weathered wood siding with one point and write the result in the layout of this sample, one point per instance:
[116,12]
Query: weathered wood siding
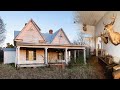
[22,55]
[62,40]
[52,57]
[30,34]
[39,56]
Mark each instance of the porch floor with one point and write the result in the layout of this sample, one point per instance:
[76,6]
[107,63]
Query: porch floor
[94,62]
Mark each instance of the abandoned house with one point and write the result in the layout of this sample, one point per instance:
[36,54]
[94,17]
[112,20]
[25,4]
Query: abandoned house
[34,48]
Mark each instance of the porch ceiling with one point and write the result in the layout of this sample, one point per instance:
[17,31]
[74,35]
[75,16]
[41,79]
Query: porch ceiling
[90,17]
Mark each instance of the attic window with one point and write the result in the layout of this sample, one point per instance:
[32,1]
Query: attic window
[60,36]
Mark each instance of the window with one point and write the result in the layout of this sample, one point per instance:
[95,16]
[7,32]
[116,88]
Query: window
[30,54]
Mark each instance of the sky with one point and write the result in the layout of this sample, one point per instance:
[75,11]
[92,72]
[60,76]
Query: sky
[46,20]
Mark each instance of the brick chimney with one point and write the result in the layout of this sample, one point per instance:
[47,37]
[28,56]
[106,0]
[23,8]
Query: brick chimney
[25,24]
[50,31]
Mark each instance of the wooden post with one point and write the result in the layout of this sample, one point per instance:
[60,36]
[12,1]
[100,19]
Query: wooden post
[46,56]
[18,55]
[66,56]
[75,56]
[84,56]
[69,55]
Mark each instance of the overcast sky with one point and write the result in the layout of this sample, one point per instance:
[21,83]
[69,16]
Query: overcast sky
[46,20]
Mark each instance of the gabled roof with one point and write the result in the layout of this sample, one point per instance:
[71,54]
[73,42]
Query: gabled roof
[17,33]
[48,37]
[35,25]
[55,34]
[65,35]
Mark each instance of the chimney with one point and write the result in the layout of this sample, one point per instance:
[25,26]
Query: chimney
[25,24]
[50,31]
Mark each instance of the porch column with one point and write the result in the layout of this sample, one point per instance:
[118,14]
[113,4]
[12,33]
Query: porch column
[96,52]
[69,54]
[75,55]
[66,56]
[85,56]
[46,61]
[18,55]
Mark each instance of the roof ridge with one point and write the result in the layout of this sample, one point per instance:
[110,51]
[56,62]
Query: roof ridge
[35,23]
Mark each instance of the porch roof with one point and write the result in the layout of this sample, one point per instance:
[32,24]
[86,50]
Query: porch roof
[55,46]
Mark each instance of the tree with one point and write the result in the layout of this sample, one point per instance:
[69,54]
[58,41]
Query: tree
[2,31]
[80,39]
[9,45]
[83,34]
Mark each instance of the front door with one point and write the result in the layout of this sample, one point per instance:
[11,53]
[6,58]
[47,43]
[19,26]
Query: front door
[31,55]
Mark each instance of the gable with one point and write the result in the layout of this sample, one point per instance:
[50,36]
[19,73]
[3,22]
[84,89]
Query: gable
[30,34]
[60,38]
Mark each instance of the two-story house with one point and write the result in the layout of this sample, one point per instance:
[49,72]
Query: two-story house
[34,48]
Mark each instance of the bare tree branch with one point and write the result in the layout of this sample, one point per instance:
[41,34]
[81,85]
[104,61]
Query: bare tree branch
[2,31]
[80,36]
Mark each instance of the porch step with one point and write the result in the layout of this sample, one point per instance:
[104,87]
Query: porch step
[31,65]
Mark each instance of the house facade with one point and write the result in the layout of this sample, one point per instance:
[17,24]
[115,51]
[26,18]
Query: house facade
[34,48]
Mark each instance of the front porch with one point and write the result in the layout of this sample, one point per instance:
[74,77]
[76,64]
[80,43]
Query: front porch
[44,55]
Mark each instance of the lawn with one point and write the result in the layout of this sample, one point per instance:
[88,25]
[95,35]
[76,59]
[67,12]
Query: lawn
[72,72]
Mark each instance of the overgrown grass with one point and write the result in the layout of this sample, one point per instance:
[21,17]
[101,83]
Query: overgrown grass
[75,72]
[78,61]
